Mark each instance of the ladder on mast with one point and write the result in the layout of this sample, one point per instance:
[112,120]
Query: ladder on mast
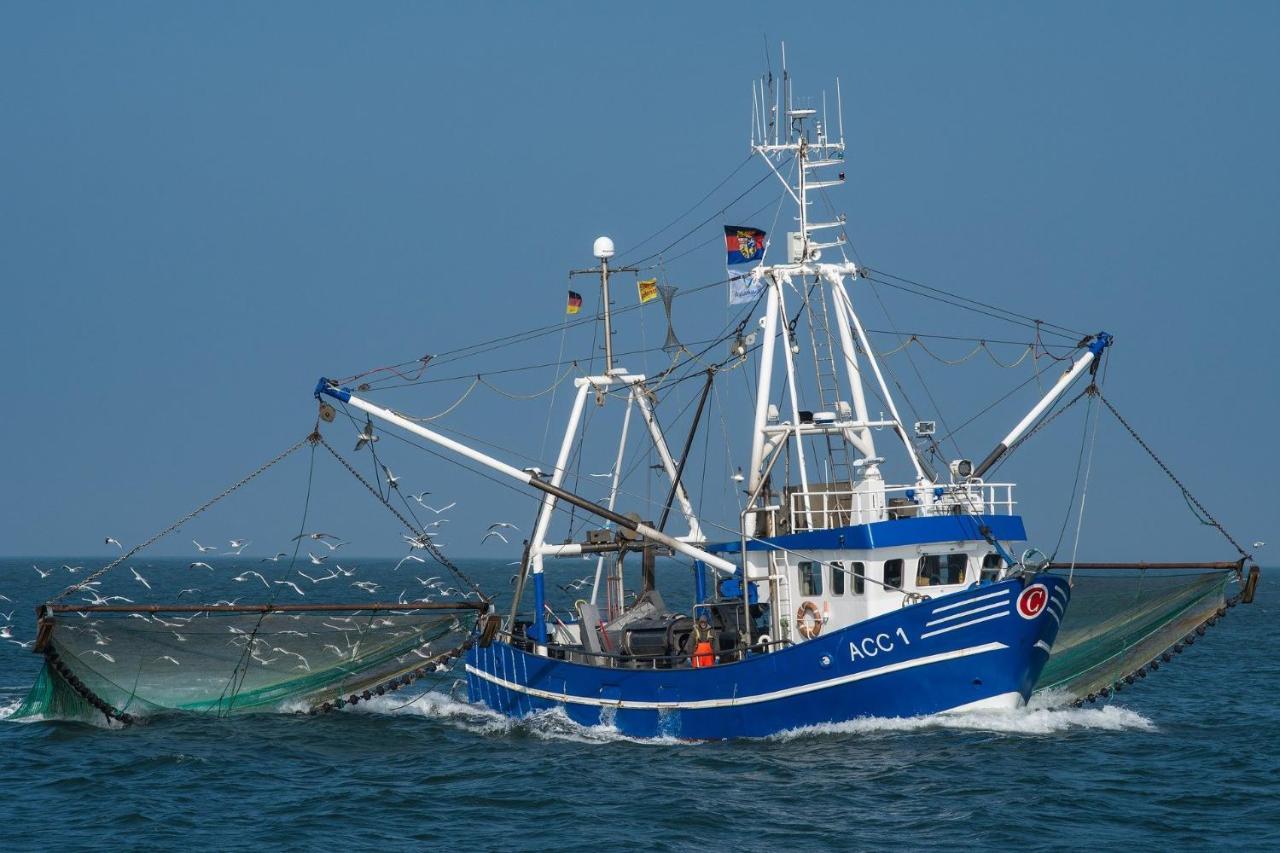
[824,359]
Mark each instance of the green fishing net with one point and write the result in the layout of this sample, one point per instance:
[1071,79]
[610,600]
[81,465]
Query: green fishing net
[1119,620]
[141,663]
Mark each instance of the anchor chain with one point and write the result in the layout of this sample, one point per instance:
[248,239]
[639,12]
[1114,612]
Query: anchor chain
[1163,467]
[172,527]
[420,535]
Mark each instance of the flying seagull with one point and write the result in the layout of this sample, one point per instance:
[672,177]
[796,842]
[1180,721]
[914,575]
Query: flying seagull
[41,572]
[406,558]
[493,533]
[139,578]
[239,545]
[112,541]
[441,509]
[315,561]
[200,565]
[274,559]
[203,549]
[506,524]
[318,536]
[366,435]
[393,482]
[292,586]
[246,575]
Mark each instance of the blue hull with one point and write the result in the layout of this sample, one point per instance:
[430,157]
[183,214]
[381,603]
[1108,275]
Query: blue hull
[975,647]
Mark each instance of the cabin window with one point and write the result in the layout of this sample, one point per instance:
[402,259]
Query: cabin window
[991,566]
[893,573]
[859,578]
[837,579]
[941,569]
[810,578]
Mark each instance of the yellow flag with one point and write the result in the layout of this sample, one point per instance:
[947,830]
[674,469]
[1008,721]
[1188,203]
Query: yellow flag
[648,290]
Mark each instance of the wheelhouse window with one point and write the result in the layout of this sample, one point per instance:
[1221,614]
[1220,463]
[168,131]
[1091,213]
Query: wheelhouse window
[837,578]
[810,578]
[941,569]
[859,578]
[893,573]
[991,566]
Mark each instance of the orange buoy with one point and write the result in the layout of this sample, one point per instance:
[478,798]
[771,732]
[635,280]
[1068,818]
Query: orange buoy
[809,620]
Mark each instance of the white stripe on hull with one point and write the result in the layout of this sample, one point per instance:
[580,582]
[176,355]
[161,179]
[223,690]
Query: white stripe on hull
[969,601]
[960,625]
[739,700]
[964,613]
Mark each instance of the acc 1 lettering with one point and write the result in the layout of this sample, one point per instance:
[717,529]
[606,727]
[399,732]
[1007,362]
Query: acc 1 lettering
[869,647]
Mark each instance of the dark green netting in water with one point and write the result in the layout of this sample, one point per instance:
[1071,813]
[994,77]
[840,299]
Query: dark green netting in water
[221,663]
[1119,620]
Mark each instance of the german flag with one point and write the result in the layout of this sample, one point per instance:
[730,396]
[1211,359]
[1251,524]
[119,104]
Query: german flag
[575,303]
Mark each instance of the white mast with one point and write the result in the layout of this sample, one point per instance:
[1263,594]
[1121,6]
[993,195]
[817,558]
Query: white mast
[818,155]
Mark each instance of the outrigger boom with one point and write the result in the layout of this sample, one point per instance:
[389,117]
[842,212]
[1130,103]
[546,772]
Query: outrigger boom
[328,388]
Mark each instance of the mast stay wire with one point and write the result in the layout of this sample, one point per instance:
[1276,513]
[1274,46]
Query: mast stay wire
[691,209]
[718,213]
[1014,319]
[1030,321]
[933,445]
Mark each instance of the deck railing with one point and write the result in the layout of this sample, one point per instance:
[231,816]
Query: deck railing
[826,509]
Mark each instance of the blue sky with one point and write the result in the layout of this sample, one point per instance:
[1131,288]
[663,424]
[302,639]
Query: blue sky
[206,206]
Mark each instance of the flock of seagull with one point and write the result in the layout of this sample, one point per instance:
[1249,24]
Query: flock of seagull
[319,568]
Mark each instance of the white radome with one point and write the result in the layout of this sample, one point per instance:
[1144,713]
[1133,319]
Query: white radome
[603,248]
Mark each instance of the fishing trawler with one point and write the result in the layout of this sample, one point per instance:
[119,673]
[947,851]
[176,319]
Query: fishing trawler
[843,595]
[838,593]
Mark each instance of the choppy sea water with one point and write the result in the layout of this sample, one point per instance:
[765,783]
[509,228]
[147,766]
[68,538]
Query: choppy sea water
[1188,759]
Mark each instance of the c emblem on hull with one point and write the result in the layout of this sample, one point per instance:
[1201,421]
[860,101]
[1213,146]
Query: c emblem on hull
[1032,601]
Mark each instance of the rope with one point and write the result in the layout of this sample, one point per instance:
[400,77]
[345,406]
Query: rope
[509,395]
[1186,493]
[1084,492]
[241,671]
[420,535]
[456,403]
[172,527]
[1044,423]
[998,363]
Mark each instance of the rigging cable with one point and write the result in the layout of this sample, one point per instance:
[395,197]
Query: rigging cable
[81,584]
[1084,492]
[691,209]
[1163,467]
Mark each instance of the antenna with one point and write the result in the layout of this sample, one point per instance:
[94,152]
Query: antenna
[603,249]
[786,83]
[755,112]
[840,112]
[826,128]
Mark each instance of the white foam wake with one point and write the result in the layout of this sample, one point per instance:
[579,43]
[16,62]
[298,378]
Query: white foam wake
[552,724]
[1037,719]
[7,708]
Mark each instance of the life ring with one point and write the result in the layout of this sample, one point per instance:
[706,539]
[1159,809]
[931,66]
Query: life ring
[809,620]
